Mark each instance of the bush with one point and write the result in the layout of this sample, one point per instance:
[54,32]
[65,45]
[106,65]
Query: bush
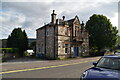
[9,50]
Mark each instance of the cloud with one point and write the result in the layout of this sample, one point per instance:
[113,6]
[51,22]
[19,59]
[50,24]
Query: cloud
[32,15]
[49,1]
[119,17]
[10,20]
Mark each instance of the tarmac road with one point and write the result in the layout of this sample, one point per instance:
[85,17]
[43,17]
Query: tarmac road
[73,69]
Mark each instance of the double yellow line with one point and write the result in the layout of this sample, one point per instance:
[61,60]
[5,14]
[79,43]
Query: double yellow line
[43,67]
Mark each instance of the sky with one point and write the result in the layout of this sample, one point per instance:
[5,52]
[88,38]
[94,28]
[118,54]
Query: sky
[33,14]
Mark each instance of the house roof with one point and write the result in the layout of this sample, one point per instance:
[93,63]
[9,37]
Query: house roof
[70,22]
[61,22]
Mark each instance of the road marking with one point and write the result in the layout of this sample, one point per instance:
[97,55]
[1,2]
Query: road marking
[44,67]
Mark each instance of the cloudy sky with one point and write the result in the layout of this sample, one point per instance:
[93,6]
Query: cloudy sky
[32,15]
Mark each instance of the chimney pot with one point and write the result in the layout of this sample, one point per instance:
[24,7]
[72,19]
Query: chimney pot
[53,11]
[53,17]
[63,17]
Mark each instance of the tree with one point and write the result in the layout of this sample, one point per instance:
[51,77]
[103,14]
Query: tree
[101,32]
[118,42]
[33,44]
[18,39]
[25,41]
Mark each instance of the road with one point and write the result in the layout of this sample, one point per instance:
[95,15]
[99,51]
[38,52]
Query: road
[65,70]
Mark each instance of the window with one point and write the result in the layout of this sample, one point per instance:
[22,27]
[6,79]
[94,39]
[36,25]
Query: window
[66,48]
[42,47]
[76,30]
[39,48]
[47,32]
[66,31]
[110,63]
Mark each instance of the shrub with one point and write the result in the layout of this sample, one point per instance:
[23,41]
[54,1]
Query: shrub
[9,50]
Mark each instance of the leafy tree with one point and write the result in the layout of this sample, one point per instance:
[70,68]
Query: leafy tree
[18,39]
[101,32]
[33,44]
[118,42]
[25,41]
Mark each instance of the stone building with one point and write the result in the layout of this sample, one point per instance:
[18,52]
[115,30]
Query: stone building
[62,38]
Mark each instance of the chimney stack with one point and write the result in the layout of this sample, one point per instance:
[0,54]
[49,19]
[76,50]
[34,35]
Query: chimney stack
[53,17]
[63,17]
[82,24]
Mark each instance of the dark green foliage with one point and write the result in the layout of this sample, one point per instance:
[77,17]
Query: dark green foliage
[18,39]
[33,44]
[118,42]
[101,32]
[25,41]
[9,50]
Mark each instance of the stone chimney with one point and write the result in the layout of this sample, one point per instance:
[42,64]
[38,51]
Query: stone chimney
[53,17]
[63,18]
[82,25]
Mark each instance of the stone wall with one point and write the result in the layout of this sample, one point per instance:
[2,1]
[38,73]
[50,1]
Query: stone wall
[46,41]
[40,42]
[51,42]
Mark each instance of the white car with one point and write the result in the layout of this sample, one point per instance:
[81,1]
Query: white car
[29,53]
[117,52]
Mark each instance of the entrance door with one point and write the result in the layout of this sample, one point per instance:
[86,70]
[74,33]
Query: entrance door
[75,51]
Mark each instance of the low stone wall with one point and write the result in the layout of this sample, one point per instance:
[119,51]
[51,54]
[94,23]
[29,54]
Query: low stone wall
[9,56]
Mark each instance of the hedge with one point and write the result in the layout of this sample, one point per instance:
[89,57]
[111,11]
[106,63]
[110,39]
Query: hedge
[9,50]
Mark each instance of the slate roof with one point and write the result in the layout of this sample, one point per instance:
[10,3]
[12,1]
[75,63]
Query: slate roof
[70,22]
[61,22]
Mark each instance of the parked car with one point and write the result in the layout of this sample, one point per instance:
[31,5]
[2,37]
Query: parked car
[29,53]
[117,52]
[107,68]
